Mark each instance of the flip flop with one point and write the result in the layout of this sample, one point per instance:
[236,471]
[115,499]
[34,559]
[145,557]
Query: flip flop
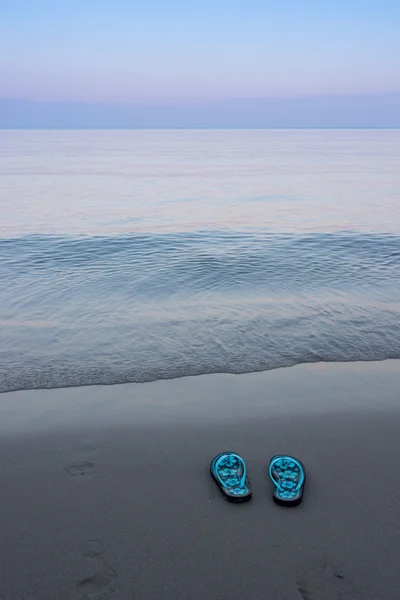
[288,475]
[230,474]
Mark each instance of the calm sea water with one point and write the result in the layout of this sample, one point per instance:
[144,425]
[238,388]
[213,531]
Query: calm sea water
[140,255]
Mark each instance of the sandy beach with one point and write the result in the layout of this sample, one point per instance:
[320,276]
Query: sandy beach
[106,493]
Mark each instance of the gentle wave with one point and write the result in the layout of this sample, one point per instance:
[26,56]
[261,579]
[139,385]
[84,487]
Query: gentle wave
[101,310]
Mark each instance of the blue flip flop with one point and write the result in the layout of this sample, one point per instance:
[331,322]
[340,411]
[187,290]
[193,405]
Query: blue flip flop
[230,474]
[288,475]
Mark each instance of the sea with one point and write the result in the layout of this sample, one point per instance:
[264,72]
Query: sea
[138,255]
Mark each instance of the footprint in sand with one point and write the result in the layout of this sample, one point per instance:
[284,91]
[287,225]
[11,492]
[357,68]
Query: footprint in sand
[86,467]
[326,583]
[83,468]
[103,583]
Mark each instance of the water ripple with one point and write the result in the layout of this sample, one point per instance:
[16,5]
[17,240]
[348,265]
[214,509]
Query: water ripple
[103,310]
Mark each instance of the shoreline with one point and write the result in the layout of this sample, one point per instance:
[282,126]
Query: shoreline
[301,389]
[47,374]
[106,494]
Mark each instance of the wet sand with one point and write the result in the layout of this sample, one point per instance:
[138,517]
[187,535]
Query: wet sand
[105,491]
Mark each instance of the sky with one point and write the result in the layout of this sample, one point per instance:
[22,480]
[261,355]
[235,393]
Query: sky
[185,53]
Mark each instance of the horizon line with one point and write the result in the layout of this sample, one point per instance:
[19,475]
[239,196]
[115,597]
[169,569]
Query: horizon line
[282,128]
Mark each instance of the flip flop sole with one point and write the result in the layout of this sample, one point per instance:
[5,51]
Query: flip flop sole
[228,470]
[288,474]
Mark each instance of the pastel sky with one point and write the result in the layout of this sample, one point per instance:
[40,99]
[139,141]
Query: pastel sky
[163,51]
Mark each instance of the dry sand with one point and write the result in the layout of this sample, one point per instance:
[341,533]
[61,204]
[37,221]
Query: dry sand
[105,491]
